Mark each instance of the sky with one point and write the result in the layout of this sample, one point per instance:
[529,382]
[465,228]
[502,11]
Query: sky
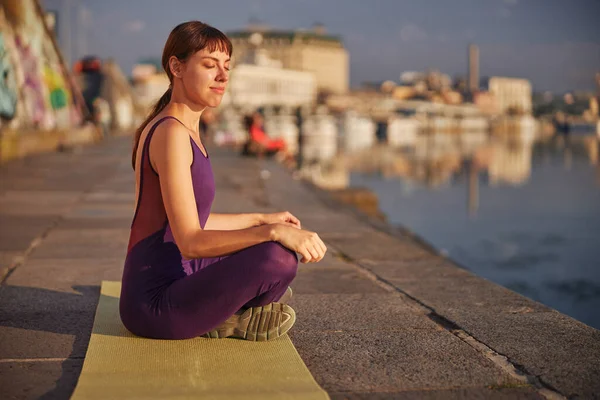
[553,43]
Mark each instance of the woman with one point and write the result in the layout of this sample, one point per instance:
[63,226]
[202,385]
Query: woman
[189,272]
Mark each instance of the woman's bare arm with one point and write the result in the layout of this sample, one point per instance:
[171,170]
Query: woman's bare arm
[229,222]
[171,156]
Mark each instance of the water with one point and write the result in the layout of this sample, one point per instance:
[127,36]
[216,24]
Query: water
[523,214]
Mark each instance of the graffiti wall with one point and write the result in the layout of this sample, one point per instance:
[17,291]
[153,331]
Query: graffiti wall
[8,88]
[36,92]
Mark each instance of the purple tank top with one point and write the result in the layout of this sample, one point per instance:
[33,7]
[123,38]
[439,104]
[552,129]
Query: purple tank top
[151,234]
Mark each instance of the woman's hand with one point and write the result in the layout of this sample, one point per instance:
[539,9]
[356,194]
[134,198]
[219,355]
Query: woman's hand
[284,217]
[307,243]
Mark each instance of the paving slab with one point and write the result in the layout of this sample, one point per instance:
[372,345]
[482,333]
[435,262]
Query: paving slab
[102,223]
[358,312]
[407,359]
[84,244]
[100,210]
[522,393]
[378,246]
[47,380]
[37,203]
[17,231]
[111,196]
[43,323]
[444,286]
[335,226]
[8,258]
[333,280]
[559,350]
[63,274]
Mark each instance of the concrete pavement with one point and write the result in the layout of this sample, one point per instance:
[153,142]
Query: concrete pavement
[382,316]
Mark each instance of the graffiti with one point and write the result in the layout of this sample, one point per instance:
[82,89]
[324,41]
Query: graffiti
[33,87]
[36,90]
[55,83]
[8,96]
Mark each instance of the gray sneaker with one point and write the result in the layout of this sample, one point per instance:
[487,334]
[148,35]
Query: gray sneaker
[257,323]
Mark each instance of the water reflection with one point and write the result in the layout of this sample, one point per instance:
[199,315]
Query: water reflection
[521,211]
[437,159]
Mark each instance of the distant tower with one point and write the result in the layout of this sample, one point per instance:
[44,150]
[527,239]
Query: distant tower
[473,68]
[472,188]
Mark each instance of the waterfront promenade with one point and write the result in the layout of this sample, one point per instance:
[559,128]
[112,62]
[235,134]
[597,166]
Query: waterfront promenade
[382,316]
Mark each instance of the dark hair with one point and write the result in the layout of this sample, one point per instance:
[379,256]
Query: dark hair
[184,40]
[248,121]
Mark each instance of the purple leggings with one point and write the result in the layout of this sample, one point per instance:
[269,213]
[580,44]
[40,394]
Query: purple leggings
[197,303]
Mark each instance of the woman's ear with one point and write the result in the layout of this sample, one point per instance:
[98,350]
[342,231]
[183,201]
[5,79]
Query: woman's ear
[175,66]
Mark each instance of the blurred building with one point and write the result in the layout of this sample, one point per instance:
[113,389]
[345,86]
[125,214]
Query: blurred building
[486,102]
[511,95]
[431,85]
[473,68]
[404,92]
[149,83]
[260,81]
[312,51]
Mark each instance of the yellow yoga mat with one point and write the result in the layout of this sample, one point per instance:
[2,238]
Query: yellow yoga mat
[119,365]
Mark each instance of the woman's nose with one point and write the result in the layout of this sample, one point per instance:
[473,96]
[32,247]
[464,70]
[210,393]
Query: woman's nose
[223,76]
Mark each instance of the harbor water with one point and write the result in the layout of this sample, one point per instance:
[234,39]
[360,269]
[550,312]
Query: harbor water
[523,214]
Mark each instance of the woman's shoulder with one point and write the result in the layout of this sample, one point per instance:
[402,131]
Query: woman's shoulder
[170,141]
[168,129]
[164,122]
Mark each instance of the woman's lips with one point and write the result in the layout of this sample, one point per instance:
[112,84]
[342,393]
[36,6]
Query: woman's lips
[218,90]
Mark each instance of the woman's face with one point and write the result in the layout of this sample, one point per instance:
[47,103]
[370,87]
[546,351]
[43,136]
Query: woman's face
[205,76]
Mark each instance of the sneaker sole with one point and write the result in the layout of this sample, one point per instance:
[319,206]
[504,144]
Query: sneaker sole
[257,323]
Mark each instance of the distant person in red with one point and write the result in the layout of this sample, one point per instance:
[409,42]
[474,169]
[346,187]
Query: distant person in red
[269,146]
[258,135]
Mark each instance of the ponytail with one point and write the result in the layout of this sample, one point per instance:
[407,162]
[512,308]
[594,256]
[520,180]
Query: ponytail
[158,107]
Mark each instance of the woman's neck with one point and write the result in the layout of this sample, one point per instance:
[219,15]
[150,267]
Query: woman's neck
[189,117]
